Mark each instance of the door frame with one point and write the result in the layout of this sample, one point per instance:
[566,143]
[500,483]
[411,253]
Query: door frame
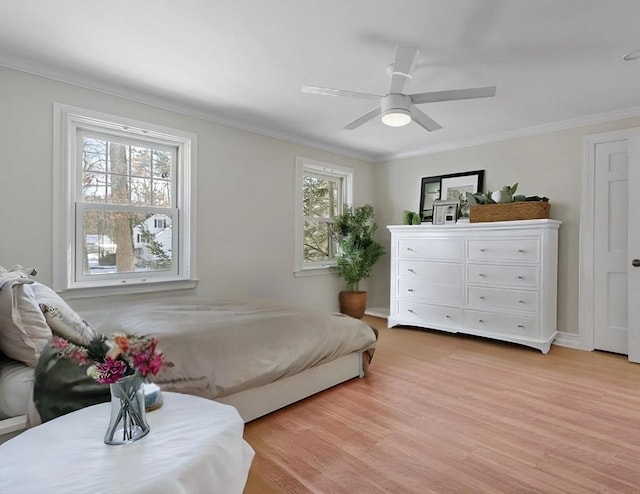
[586,270]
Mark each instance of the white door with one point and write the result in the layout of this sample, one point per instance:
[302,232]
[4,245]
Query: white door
[633,257]
[616,310]
[610,247]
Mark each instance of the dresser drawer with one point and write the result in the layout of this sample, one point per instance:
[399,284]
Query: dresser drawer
[523,276]
[501,323]
[504,250]
[435,293]
[443,249]
[438,272]
[430,315]
[498,298]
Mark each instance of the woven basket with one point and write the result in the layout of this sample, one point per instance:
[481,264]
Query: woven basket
[529,210]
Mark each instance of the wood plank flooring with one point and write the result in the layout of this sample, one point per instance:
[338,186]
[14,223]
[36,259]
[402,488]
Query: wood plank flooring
[440,413]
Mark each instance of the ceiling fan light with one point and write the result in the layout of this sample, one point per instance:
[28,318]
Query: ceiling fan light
[396,117]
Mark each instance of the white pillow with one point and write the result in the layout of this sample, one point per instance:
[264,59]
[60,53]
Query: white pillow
[61,318]
[23,329]
[16,387]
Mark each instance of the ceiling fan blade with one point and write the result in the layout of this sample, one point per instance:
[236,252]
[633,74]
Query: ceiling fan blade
[421,118]
[325,91]
[403,68]
[453,94]
[363,119]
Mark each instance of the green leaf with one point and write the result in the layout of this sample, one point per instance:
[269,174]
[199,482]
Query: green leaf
[358,252]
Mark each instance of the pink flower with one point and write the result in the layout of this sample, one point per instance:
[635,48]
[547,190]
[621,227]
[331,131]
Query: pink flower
[110,371]
[59,343]
[80,356]
[148,362]
[114,357]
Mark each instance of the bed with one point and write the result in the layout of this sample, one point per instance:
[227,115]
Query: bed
[257,356]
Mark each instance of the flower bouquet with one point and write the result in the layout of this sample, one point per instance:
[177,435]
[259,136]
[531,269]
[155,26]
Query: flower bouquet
[113,357]
[123,361]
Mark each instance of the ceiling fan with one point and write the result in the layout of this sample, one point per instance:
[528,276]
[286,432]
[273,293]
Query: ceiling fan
[397,108]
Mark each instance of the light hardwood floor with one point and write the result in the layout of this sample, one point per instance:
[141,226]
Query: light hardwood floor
[440,413]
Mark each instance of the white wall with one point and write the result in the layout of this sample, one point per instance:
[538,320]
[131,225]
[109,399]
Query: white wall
[245,207]
[547,165]
[246,194]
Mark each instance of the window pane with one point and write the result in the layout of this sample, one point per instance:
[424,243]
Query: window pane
[118,189]
[141,191]
[118,158]
[320,197]
[140,161]
[116,242]
[162,164]
[94,155]
[162,193]
[317,241]
[93,186]
[126,173]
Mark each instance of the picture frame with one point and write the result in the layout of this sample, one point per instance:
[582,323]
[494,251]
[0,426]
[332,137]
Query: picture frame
[456,186]
[445,212]
[429,192]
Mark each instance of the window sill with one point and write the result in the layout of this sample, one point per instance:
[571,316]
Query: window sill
[315,272]
[105,291]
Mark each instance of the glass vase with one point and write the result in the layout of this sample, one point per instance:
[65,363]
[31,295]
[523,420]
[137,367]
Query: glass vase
[128,419]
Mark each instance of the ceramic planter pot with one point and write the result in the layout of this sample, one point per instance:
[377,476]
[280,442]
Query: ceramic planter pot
[353,303]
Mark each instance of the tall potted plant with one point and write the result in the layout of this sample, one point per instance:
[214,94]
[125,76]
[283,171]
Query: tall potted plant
[357,253]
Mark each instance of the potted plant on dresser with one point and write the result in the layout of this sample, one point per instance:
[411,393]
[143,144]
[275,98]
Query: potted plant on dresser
[357,253]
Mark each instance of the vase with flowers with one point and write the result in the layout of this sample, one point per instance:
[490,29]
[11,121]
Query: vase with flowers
[123,361]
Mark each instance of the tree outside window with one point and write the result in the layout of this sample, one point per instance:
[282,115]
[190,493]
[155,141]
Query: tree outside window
[324,189]
[123,197]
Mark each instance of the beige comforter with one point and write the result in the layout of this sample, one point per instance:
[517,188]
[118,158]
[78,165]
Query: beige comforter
[221,349]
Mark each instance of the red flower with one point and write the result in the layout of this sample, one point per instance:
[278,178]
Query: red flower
[111,370]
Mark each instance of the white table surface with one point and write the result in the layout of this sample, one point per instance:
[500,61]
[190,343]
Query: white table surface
[194,446]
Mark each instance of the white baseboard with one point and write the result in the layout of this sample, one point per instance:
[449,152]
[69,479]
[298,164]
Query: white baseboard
[570,340]
[377,312]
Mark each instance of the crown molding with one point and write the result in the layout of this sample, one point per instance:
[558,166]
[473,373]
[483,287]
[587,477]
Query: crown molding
[166,103]
[524,132]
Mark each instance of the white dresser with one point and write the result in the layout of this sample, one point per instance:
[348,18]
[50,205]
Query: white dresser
[497,280]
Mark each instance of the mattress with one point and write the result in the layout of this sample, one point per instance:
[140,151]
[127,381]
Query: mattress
[16,387]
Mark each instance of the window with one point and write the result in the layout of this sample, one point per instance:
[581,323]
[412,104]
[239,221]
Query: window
[123,202]
[322,190]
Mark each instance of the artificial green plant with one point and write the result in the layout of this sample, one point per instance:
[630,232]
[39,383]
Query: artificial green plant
[357,251]
[506,195]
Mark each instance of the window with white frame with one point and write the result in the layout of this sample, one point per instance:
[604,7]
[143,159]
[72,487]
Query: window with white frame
[322,191]
[123,202]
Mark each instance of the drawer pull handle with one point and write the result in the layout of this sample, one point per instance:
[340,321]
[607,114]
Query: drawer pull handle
[521,277]
[481,321]
[410,249]
[410,289]
[482,275]
[521,251]
[411,271]
[411,310]
[521,301]
[521,325]
[447,316]
[482,250]
[481,297]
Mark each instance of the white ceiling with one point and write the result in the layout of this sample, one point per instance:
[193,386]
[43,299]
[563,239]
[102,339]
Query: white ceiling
[242,62]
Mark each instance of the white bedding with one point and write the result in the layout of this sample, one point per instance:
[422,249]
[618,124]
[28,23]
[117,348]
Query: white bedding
[224,348]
